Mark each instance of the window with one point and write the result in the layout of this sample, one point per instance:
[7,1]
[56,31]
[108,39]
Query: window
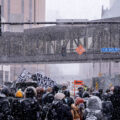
[6,76]
[1,76]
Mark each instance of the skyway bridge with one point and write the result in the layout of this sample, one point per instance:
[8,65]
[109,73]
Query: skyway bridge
[58,43]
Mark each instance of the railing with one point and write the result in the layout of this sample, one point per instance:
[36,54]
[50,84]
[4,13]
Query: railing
[50,40]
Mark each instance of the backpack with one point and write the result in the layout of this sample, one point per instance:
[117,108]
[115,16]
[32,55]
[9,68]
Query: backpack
[29,109]
[56,110]
[16,109]
[5,111]
[69,101]
[107,107]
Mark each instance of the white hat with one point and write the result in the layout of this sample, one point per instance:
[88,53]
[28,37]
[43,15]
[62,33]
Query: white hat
[59,96]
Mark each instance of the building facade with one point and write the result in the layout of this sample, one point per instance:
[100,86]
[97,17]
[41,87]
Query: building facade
[22,11]
[4,73]
[113,11]
[17,69]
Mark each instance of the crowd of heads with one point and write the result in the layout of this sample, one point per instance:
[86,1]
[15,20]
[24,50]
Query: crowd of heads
[54,103]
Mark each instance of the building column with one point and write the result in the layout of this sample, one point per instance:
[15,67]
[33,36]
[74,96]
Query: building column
[110,68]
[8,12]
[2,8]
[30,12]
[34,10]
[22,8]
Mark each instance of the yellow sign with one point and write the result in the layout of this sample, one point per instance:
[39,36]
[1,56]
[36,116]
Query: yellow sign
[96,86]
[111,85]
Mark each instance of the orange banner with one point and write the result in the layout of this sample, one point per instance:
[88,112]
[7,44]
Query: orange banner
[78,82]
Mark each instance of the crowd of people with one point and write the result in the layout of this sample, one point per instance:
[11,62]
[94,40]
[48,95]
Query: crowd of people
[57,104]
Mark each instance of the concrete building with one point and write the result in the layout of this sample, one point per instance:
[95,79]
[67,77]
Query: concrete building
[4,73]
[113,11]
[22,11]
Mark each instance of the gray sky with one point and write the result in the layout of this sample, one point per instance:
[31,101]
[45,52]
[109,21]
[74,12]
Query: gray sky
[74,9]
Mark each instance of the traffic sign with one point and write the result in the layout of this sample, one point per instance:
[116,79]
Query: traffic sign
[80,50]
[78,82]
[108,50]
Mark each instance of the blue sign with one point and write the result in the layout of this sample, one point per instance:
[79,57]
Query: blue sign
[110,49]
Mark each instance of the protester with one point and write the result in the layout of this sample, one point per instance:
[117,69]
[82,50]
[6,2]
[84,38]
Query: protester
[49,92]
[16,105]
[107,107]
[56,104]
[93,110]
[30,106]
[47,107]
[49,89]
[64,87]
[19,94]
[77,109]
[115,99]
[5,91]
[63,112]
[5,110]
[108,93]
[100,93]
[86,95]
[55,89]
[80,91]
[40,93]
[68,100]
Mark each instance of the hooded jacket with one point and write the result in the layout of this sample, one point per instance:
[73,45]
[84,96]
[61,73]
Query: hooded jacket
[115,99]
[5,110]
[93,110]
[29,105]
[62,110]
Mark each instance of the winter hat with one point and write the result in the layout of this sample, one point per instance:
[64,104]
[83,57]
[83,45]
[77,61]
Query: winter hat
[5,91]
[39,90]
[49,89]
[59,96]
[79,100]
[19,94]
[30,92]
[94,103]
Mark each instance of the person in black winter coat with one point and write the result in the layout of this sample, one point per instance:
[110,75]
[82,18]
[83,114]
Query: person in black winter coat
[107,108]
[80,92]
[29,105]
[16,109]
[55,89]
[68,100]
[115,99]
[16,105]
[101,94]
[48,99]
[59,110]
[5,110]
